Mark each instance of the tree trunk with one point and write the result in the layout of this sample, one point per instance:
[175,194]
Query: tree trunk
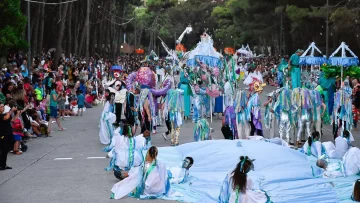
[87,24]
[41,40]
[36,32]
[69,39]
[61,35]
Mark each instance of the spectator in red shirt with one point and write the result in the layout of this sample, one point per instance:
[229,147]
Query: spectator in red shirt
[355,112]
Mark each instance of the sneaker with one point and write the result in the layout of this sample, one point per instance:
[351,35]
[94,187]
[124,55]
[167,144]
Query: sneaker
[53,121]
[154,131]
[33,136]
[165,136]
[67,116]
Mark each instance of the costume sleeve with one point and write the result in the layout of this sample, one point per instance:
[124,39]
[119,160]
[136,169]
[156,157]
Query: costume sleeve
[224,191]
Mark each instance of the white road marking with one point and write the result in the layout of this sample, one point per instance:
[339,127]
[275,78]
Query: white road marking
[96,158]
[63,159]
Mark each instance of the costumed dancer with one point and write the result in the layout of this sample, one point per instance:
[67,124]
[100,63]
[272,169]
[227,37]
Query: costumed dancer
[205,102]
[228,94]
[239,188]
[130,108]
[342,114]
[202,130]
[348,166]
[269,113]
[151,180]
[185,86]
[107,119]
[119,89]
[254,104]
[128,160]
[342,145]
[318,111]
[173,111]
[294,68]
[243,126]
[125,150]
[146,110]
[280,72]
[284,109]
[230,121]
[314,147]
[197,102]
[179,175]
[302,100]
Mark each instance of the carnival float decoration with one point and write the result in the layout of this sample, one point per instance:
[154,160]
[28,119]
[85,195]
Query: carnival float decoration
[203,71]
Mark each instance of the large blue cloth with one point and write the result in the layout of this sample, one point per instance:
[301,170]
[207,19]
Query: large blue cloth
[284,174]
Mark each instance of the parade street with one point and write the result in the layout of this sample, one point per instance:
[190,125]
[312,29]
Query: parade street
[69,166]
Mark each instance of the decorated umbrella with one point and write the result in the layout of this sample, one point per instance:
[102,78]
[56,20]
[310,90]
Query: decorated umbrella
[311,59]
[343,60]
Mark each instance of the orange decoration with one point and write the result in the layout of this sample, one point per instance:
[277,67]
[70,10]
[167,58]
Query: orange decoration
[140,51]
[180,47]
[229,50]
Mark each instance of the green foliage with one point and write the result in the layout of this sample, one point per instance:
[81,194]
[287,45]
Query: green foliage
[12,26]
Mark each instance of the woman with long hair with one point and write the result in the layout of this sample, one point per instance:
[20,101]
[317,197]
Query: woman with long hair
[314,147]
[107,119]
[238,187]
[149,181]
[356,192]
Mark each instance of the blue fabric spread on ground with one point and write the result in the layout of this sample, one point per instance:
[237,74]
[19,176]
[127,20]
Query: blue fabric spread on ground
[284,174]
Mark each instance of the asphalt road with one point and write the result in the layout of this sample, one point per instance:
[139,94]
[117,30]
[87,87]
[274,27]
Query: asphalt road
[69,167]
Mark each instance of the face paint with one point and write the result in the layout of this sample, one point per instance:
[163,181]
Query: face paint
[186,163]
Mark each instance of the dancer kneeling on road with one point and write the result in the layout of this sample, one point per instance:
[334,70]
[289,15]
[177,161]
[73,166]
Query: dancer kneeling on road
[342,145]
[239,188]
[314,147]
[147,182]
[126,152]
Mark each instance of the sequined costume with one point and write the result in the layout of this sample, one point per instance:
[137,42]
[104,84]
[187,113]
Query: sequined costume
[173,110]
[243,126]
[302,100]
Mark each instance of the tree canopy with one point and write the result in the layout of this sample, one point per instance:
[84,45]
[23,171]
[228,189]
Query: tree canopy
[12,26]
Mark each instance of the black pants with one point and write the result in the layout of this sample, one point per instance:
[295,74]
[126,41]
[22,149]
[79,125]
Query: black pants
[4,149]
[168,125]
[226,131]
[145,126]
[253,129]
[118,108]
